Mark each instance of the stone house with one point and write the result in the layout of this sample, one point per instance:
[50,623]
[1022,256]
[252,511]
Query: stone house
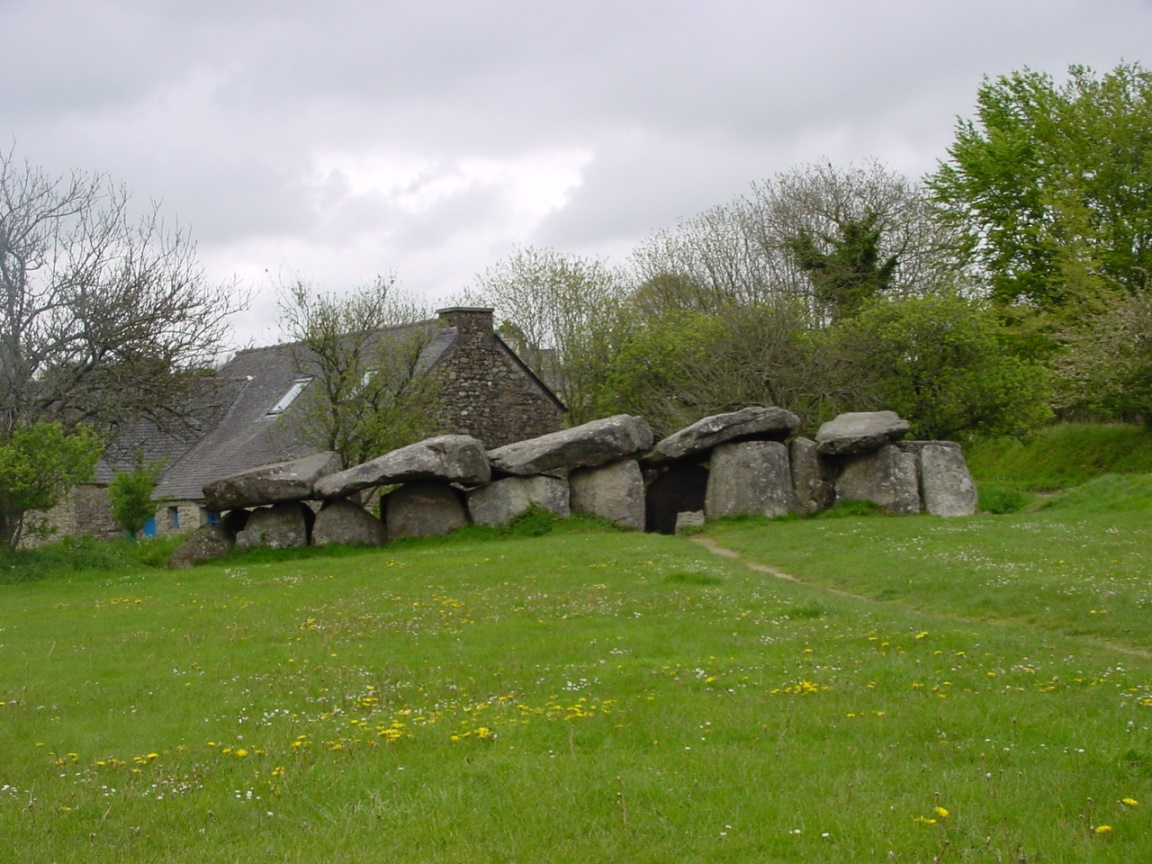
[483,389]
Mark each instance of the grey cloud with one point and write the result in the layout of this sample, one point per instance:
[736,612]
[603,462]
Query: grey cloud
[220,107]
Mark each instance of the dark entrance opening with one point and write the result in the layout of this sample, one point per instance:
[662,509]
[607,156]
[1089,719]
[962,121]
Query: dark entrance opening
[673,489]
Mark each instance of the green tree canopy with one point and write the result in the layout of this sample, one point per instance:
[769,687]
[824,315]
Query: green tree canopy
[38,465]
[685,364]
[1052,185]
[130,494]
[941,362]
[744,252]
[847,269]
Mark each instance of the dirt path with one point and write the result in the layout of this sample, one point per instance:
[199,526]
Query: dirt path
[716,549]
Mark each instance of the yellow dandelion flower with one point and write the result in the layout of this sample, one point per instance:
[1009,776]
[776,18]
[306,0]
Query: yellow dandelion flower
[1131,802]
[941,812]
[1103,829]
[241,752]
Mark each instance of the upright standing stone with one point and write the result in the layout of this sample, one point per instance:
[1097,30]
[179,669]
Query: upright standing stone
[811,484]
[752,478]
[349,524]
[614,492]
[281,526]
[688,520]
[423,510]
[945,482]
[498,503]
[206,543]
[889,477]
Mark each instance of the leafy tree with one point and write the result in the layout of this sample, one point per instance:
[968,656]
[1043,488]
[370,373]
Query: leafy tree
[38,465]
[1105,365]
[941,362]
[1052,186]
[106,318]
[130,494]
[566,314]
[363,350]
[651,374]
[849,270]
[685,364]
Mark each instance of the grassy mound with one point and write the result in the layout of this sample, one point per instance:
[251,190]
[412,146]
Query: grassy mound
[1061,456]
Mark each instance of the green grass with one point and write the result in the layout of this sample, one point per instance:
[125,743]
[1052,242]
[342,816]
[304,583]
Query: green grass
[1061,456]
[77,556]
[586,695]
[1078,566]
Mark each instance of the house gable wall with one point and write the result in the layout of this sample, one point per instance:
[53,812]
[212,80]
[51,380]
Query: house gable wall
[484,390]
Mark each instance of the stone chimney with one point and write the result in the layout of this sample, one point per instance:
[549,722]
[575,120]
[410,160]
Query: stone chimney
[468,321]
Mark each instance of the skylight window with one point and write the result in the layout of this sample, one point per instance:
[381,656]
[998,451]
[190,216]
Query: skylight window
[288,398]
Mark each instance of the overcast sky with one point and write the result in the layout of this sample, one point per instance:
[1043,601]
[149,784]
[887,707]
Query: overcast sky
[334,141]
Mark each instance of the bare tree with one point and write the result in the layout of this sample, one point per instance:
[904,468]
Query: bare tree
[821,200]
[744,252]
[563,315]
[106,318]
[365,353]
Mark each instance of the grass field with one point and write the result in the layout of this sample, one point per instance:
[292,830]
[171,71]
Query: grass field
[595,696]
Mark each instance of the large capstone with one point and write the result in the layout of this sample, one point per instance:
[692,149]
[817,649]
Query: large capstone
[347,523]
[889,477]
[752,478]
[277,483]
[501,501]
[860,432]
[748,424]
[446,458]
[587,446]
[614,492]
[423,510]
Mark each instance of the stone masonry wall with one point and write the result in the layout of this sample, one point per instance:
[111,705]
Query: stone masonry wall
[485,393]
[84,512]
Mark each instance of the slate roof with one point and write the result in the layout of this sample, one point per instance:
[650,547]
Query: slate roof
[167,445]
[246,436]
[233,431]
